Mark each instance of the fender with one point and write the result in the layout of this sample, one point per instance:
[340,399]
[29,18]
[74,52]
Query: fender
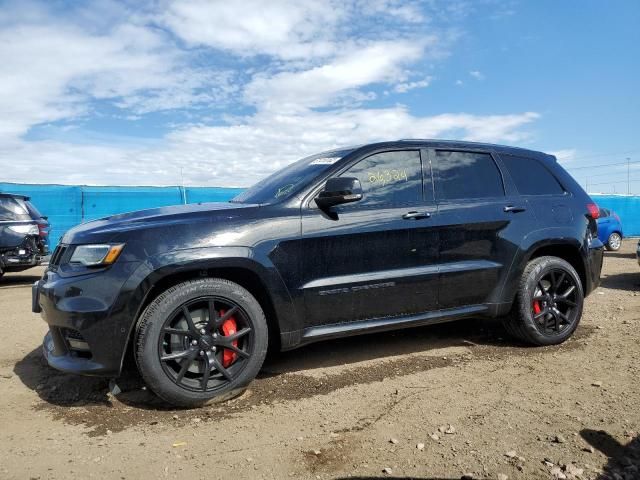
[134,295]
[565,236]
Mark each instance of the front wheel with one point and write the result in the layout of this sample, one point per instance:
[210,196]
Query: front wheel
[548,304]
[614,242]
[200,341]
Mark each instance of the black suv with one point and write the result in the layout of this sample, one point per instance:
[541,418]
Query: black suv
[350,241]
[24,234]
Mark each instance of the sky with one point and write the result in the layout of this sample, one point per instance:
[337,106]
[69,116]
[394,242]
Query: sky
[222,93]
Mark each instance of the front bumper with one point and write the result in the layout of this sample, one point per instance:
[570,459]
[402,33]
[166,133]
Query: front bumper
[88,323]
[19,259]
[67,360]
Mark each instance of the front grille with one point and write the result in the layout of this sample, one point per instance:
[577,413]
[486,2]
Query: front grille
[58,255]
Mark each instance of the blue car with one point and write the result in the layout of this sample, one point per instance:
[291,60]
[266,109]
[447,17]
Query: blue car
[610,229]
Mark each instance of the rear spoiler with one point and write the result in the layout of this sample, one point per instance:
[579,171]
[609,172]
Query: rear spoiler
[23,197]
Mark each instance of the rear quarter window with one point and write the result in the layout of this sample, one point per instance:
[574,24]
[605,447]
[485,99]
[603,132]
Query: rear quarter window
[531,176]
[467,175]
[13,210]
[35,213]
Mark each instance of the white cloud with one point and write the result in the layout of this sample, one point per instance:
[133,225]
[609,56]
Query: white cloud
[566,154]
[287,29]
[409,11]
[53,70]
[306,72]
[284,28]
[478,75]
[242,153]
[320,86]
[406,86]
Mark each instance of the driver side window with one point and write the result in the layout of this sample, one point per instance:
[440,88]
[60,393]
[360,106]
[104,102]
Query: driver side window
[389,178]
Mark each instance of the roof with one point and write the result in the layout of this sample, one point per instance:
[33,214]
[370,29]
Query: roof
[465,144]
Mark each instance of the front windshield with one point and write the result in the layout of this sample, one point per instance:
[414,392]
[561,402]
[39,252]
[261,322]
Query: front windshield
[282,184]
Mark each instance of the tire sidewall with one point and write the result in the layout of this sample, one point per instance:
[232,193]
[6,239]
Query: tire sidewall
[526,298]
[151,324]
[609,246]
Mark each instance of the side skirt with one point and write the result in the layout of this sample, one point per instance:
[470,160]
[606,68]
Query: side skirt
[337,330]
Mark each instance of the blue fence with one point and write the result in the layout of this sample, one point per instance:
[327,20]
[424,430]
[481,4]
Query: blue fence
[628,209]
[67,206]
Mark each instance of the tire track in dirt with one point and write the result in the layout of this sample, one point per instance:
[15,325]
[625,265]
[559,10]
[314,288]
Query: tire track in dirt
[86,401]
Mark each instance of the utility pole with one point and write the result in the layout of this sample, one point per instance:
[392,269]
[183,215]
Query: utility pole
[628,170]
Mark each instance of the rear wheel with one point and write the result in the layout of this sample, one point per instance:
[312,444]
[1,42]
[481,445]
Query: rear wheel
[548,305]
[200,341]
[614,242]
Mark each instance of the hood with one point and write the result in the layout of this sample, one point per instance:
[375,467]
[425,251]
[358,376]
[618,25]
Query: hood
[103,229]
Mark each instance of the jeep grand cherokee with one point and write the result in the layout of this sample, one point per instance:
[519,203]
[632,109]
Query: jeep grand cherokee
[350,241]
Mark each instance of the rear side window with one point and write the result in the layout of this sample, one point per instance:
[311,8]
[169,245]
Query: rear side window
[531,177]
[464,175]
[35,213]
[13,210]
[389,178]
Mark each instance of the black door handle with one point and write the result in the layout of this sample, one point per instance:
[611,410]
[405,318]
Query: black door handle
[416,215]
[514,209]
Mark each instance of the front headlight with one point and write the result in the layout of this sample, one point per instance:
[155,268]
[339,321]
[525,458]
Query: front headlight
[25,229]
[96,255]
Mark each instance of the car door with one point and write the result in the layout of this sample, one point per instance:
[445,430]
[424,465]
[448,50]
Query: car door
[547,198]
[365,264]
[480,226]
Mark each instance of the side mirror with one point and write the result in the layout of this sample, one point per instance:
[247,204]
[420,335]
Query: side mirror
[339,190]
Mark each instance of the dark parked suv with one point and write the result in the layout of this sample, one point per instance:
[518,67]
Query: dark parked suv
[357,240]
[24,234]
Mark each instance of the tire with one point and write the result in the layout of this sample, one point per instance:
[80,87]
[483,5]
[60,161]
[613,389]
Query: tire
[527,321]
[192,387]
[614,242]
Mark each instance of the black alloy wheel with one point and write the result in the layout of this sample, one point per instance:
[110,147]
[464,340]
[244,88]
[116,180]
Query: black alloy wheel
[201,341]
[195,351]
[554,302]
[548,304]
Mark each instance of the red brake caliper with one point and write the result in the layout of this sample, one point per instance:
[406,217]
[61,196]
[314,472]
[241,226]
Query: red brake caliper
[229,327]
[536,307]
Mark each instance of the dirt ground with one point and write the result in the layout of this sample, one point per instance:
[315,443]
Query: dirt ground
[453,401]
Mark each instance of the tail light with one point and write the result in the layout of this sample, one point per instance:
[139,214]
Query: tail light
[615,215]
[593,211]
[43,229]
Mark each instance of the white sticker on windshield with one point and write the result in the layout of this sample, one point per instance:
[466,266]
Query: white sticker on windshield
[325,161]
